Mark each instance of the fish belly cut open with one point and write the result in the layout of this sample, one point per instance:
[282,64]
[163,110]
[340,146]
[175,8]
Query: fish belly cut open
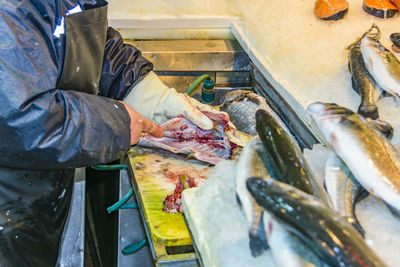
[182,136]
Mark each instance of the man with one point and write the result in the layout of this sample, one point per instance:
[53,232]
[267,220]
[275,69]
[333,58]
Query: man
[72,94]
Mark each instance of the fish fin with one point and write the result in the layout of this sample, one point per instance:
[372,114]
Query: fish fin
[258,239]
[356,224]
[368,111]
[382,126]
[238,201]
[361,195]
[395,212]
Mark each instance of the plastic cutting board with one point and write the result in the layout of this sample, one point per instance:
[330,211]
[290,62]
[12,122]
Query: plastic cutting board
[156,173]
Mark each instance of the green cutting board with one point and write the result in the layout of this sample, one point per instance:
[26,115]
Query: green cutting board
[156,173]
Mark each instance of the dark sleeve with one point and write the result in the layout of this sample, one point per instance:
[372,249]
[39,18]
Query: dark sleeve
[123,67]
[42,127]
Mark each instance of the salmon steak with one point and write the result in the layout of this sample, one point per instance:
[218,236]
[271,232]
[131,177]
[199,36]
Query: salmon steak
[380,8]
[331,9]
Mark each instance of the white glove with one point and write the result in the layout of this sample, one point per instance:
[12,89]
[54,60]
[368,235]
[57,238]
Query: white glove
[154,100]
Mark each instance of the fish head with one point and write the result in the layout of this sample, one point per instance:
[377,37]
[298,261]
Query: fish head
[369,43]
[274,196]
[395,38]
[324,111]
[327,117]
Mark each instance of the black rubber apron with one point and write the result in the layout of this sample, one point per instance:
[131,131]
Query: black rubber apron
[34,205]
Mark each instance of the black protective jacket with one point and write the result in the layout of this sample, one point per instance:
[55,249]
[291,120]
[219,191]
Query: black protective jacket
[57,112]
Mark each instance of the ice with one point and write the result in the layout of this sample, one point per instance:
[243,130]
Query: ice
[389,111]
[381,227]
[218,225]
[316,159]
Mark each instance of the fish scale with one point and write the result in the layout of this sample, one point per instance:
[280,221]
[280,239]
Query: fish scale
[380,62]
[371,157]
[315,224]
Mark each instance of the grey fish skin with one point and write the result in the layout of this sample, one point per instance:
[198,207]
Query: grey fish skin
[380,62]
[320,227]
[371,157]
[262,228]
[342,190]
[250,164]
[241,106]
[395,38]
[363,83]
[287,162]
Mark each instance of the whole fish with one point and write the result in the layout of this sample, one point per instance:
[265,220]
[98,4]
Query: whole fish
[363,83]
[371,157]
[318,226]
[250,163]
[241,106]
[342,190]
[287,163]
[380,62]
[286,249]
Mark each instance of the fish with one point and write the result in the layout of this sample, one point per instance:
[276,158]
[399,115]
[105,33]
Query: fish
[241,106]
[341,186]
[363,83]
[264,232]
[184,137]
[321,229]
[287,249]
[369,155]
[343,190]
[395,38]
[287,163]
[249,164]
[380,8]
[383,66]
[331,9]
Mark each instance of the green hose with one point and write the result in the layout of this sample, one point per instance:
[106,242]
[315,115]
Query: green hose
[196,83]
[110,167]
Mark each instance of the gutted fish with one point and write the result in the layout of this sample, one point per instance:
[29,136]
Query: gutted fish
[331,9]
[287,163]
[331,237]
[342,190]
[241,106]
[380,62]
[371,158]
[380,8]
[182,136]
[363,83]
[286,249]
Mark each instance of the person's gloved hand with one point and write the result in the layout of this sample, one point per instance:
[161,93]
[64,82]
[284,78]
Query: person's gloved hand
[154,100]
[140,124]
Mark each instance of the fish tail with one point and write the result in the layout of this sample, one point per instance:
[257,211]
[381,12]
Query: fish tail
[395,212]
[258,238]
[374,32]
[369,111]
[355,43]
[356,224]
